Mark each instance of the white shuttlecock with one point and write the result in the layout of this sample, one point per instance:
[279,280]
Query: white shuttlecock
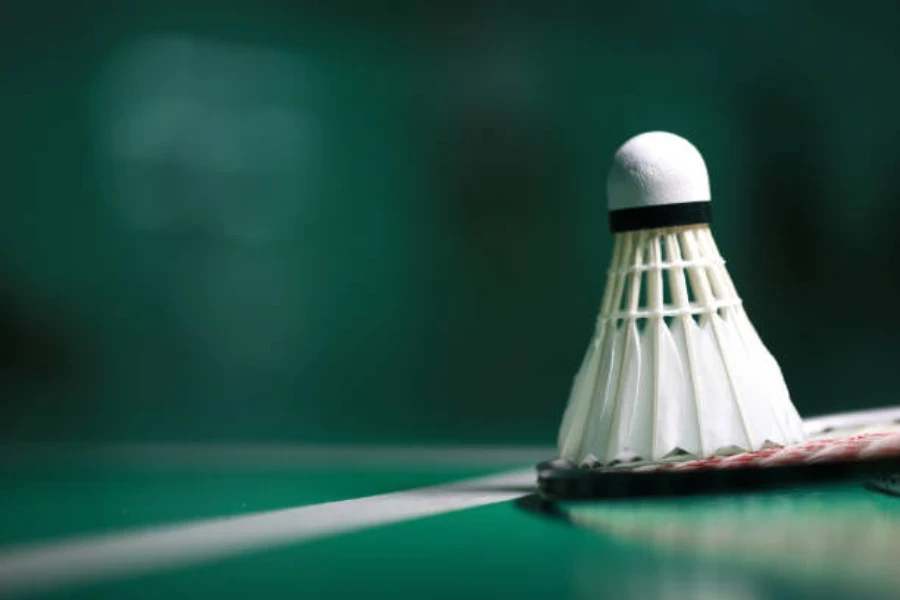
[675,365]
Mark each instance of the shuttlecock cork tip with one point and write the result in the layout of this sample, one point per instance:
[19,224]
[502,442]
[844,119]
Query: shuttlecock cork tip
[657,179]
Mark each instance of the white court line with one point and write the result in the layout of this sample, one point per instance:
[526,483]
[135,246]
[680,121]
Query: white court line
[861,418]
[48,566]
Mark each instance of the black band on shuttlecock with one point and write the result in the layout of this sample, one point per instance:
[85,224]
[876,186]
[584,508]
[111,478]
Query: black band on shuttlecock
[663,215]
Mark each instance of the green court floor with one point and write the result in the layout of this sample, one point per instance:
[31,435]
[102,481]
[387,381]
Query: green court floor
[494,540]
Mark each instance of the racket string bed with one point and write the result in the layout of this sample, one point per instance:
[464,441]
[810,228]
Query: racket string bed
[868,454]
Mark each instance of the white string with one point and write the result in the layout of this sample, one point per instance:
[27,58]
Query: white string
[671,311]
[707,262]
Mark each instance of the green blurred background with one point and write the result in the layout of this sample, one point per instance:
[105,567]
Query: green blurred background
[334,222]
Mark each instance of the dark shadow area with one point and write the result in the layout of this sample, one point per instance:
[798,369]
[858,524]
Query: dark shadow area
[539,505]
[33,344]
[888,484]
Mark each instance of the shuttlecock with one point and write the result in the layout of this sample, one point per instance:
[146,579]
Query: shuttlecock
[675,365]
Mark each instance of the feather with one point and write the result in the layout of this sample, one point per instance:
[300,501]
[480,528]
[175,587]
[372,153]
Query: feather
[690,375]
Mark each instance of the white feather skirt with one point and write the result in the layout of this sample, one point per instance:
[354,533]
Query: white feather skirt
[675,366]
